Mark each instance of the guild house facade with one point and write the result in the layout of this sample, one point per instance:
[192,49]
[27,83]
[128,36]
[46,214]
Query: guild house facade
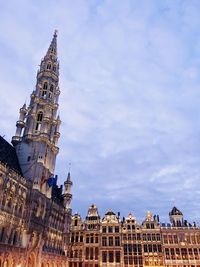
[37,228]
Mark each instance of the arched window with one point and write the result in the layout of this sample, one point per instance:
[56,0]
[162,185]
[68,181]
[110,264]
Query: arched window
[48,66]
[44,91]
[51,91]
[39,121]
[15,238]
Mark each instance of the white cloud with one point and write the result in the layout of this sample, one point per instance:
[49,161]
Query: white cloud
[129,96]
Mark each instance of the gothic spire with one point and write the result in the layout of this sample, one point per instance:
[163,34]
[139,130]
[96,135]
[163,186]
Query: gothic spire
[53,46]
[41,125]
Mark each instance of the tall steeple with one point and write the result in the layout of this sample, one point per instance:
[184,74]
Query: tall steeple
[37,131]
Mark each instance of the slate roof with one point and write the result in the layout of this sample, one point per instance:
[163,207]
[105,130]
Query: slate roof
[8,155]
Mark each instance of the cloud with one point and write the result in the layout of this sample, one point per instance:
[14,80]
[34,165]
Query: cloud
[129,104]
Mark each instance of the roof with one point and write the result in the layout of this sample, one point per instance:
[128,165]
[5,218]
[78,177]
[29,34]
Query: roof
[176,211]
[8,156]
[110,212]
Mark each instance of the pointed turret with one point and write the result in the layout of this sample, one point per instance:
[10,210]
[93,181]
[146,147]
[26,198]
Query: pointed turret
[67,193]
[20,124]
[37,147]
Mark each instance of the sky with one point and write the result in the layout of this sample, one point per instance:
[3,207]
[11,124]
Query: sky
[130,97]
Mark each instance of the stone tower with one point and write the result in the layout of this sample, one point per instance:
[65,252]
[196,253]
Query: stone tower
[37,130]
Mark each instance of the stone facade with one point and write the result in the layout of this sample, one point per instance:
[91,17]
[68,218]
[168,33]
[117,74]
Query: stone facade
[111,241]
[35,213]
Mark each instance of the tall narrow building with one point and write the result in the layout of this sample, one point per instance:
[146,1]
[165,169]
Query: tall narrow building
[37,130]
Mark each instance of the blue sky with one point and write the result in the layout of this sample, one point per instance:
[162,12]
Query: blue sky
[130,97]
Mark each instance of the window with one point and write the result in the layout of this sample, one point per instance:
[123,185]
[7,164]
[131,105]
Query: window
[158,237]
[149,237]
[110,229]
[96,253]
[150,248]
[111,258]
[117,256]
[116,229]
[104,229]
[54,68]
[39,121]
[125,249]
[44,91]
[91,253]
[154,248]
[148,226]
[152,226]
[110,241]
[96,239]
[130,248]
[87,253]
[175,239]
[170,239]
[159,248]
[104,256]
[51,88]
[48,66]
[117,241]
[104,241]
